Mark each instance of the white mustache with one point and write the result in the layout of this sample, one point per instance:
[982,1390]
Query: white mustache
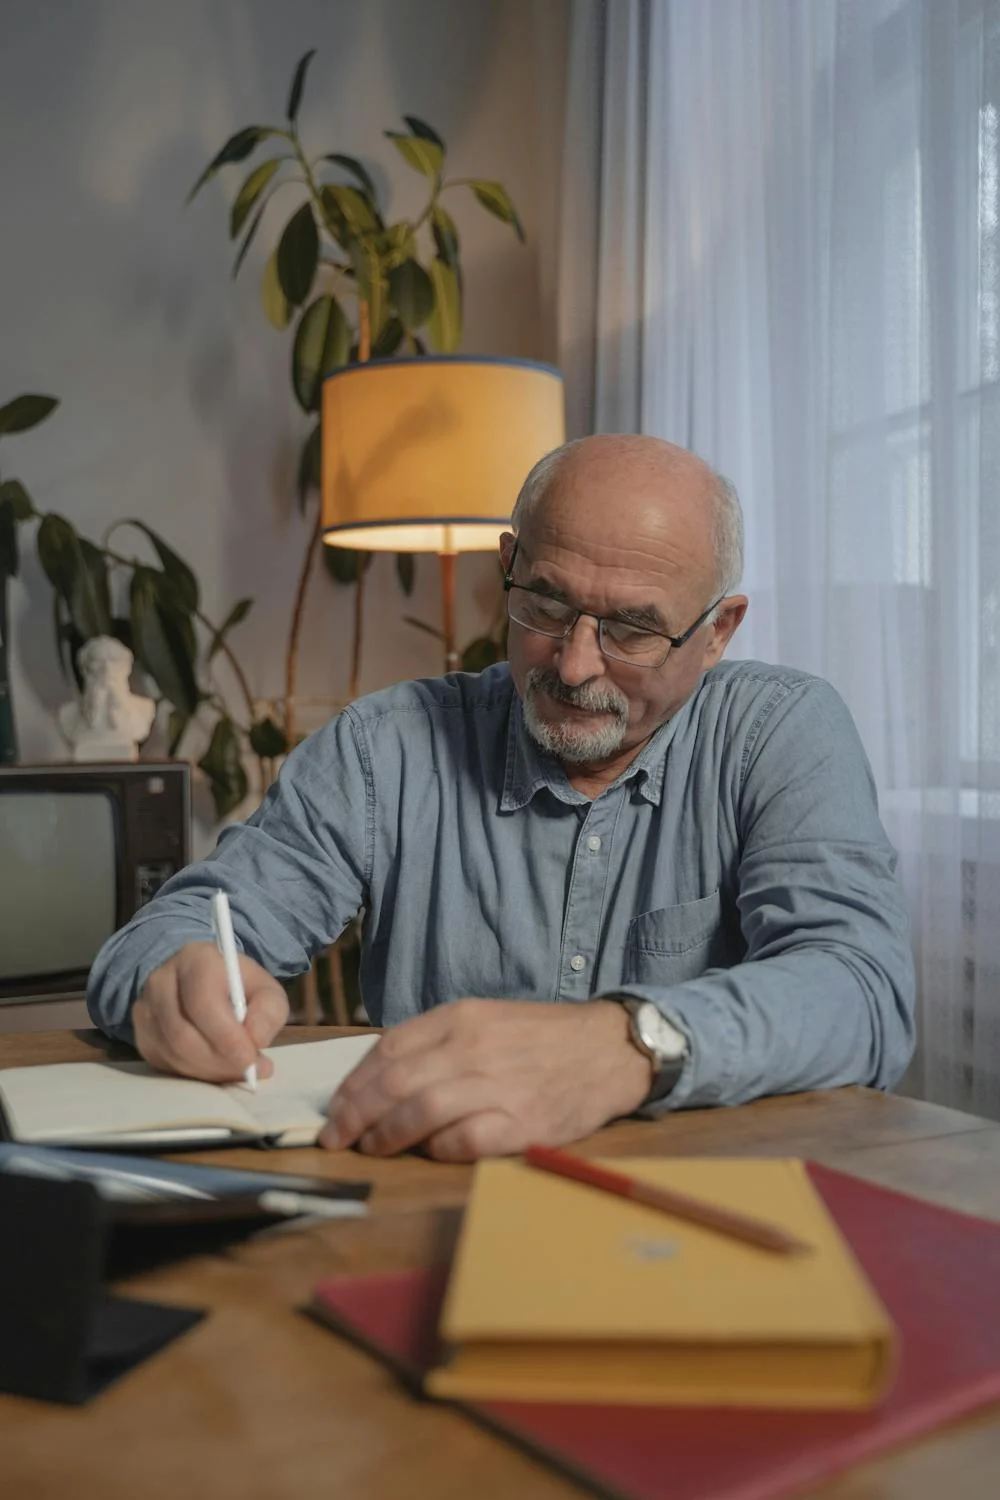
[586,696]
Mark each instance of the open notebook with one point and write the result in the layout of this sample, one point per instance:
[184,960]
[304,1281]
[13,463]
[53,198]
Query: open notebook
[129,1104]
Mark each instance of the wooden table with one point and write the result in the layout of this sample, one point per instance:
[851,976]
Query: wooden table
[257,1403]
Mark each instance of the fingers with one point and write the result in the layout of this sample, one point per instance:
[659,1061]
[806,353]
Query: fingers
[390,1093]
[267,1009]
[492,1132]
[184,1021]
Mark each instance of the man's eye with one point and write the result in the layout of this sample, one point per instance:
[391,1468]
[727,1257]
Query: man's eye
[629,636]
[547,609]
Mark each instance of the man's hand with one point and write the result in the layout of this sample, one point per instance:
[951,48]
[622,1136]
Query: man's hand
[184,1022]
[490,1077]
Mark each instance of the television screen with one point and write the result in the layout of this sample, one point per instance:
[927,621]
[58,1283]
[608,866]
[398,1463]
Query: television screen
[58,867]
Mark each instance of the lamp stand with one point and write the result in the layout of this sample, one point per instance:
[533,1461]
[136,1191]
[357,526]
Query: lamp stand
[448,560]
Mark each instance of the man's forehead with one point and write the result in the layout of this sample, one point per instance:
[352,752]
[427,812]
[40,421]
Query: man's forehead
[627,541]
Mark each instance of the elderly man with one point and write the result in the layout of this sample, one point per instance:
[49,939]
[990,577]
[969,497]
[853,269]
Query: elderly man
[681,856]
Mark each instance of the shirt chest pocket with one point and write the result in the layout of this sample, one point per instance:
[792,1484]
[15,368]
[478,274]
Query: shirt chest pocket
[675,943]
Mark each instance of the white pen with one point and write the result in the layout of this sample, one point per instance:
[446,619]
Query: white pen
[222,925]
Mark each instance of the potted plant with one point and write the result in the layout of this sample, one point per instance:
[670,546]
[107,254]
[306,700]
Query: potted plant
[153,606]
[353,286]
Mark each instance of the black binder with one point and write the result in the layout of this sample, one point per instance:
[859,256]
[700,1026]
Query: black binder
[62,1336]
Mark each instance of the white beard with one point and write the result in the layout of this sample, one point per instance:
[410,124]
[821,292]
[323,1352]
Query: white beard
[572,741]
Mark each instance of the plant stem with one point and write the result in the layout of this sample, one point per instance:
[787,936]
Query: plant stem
[359,601]
[234,664]
[291,654]
[364,355]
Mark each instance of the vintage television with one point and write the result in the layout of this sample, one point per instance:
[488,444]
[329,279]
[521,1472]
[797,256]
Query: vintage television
[82,847]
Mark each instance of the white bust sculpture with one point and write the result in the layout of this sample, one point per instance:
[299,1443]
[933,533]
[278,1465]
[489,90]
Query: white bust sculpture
[110,721]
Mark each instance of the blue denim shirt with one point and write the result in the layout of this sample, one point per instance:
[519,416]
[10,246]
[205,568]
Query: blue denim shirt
[737,875]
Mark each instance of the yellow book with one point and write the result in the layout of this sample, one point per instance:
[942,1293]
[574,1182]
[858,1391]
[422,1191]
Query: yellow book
[561,1292]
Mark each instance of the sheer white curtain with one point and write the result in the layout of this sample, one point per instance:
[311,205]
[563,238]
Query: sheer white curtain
[793,210]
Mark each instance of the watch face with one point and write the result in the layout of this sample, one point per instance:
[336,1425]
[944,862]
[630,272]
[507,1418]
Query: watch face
[659,1035]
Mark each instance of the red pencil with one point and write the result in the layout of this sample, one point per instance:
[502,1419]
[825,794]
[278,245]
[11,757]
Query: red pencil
[708,1215]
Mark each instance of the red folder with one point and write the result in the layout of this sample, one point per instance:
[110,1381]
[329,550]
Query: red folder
[938,1273]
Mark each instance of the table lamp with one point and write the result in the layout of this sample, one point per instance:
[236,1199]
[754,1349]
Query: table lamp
[428,455]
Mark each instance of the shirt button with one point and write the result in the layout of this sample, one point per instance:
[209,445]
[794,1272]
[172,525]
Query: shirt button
[577,962]
[593,843]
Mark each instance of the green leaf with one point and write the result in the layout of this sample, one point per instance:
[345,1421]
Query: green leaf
[309,465]
[405,571]
[334,217]
[389,339]
[223,766]
[249,193]
[180,621]
[248,240]
[496,200]
[267,739]
[90,601]
[423,155]
[298,253]
[345,564]
[480,654]
[58,551]
[9,556]
[356,208]
[445,235]
[12,492]
[68,641]
[411,292]
[357,171]
[180,575]
[176,725]
[445,322]
[239,612]
[78,572]
[237,148]
[273,300]
[295,96]
[424,131]
[183,591]
[25,412]
[161,644]
[322,344]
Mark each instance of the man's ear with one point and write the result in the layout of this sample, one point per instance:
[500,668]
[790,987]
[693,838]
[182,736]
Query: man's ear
[729,618]
[507,541]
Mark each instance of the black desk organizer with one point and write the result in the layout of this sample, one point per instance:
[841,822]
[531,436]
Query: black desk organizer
[62,1336]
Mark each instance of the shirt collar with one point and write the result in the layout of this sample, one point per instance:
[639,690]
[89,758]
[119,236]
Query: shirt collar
[528,769]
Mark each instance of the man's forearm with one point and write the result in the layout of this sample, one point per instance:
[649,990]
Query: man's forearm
[811,1018]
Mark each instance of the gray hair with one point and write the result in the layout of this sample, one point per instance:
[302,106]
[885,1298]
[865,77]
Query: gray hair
[728,514]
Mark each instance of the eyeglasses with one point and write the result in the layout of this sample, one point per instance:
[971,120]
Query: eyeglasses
[617,639]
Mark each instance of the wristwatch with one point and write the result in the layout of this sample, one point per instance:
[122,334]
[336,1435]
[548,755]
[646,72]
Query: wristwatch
[659,1040]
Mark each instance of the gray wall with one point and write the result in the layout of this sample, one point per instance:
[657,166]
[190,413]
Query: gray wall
[176,402]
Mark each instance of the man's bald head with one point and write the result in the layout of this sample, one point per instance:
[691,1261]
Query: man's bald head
[691,494]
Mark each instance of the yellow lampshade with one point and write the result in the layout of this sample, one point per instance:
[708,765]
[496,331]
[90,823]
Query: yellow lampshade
[428,455]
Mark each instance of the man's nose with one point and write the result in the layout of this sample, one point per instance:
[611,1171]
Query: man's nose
[580,657]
